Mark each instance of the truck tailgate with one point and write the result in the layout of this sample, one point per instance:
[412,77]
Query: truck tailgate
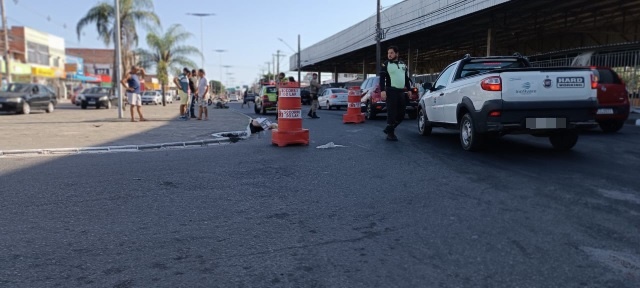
[554,84]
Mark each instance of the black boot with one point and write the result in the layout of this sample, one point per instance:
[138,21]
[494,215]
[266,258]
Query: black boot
[310,114]
[388,129]
[315,116]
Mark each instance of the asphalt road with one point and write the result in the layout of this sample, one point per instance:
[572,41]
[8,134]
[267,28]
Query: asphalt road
[415,213]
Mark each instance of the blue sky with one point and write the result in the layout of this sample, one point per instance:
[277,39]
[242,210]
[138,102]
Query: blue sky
[247,29]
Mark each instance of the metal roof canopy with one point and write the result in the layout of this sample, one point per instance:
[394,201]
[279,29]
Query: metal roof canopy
[435,33]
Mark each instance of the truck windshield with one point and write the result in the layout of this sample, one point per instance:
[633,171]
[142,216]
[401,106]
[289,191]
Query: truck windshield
[480,66]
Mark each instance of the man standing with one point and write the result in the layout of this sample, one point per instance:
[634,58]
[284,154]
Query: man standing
[194,97]
[182,82]
[394,81]
[314,86]
[202,91]
[131,83]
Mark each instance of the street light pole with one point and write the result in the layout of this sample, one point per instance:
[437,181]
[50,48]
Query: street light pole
[220,51]
[201,15]
[6,43]
[378,36]
[118,88]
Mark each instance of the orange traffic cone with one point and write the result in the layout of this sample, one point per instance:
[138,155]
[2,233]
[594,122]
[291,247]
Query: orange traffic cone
[354,114]
[289,117]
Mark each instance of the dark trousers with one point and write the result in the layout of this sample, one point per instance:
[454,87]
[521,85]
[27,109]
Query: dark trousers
[396,106]
[192,107]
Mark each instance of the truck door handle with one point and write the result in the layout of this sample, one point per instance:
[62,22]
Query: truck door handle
[441,94]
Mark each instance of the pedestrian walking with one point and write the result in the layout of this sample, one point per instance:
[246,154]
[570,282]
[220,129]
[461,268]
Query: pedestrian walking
[193,87]
[182,82]
[314,87]
[131,83]
[394,81]
[202,92]
[244,99]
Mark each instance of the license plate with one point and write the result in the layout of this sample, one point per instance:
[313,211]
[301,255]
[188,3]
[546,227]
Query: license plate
[546,123]
[0,105]
[605,111]
[92,102]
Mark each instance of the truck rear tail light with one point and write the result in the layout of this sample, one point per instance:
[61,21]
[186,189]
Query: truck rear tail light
[594,81]
[493,83]
[265,98]
[333,96]
[495,114]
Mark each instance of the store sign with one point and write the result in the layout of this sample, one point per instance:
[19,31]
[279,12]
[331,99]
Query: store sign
[16,68]
[43,72]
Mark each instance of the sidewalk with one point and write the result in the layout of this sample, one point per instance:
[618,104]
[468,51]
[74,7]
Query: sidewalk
[71,127]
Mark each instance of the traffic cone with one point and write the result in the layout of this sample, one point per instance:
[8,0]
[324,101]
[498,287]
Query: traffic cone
[354,112]
[289,117]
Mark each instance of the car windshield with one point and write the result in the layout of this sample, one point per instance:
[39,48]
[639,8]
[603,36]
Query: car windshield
[149,93]
[18,87]
[270,89]
[339,91]
[101,90]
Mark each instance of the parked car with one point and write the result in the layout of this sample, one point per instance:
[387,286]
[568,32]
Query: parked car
[372,103]
[487,97]
[613,100]
[267,100]
[333,97]
[24,97]
[151,97]
[97,97]
[305,96]
[250,97]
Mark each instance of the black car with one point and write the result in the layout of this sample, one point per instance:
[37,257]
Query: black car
[305,96]
[97,97]
[23,97]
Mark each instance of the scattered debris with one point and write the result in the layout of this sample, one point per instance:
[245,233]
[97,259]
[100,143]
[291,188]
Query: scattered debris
[329,145]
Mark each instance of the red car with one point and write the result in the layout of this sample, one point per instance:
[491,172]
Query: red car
[613,100]
[372,103]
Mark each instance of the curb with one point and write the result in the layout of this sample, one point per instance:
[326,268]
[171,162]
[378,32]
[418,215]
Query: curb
[219,139]
[112,149]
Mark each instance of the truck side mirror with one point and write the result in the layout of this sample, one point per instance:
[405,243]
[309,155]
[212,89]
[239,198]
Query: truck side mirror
[427,86]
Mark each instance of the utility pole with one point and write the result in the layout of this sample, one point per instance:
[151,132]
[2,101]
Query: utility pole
[6,43]
[299,71]
[118,88]
[378,36]
[278,55]
[268,71]
[273,60]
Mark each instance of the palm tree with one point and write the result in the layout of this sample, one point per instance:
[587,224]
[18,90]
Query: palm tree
[132,13]
[166,51]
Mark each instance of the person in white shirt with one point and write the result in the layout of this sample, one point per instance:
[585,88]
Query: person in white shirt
[202,95]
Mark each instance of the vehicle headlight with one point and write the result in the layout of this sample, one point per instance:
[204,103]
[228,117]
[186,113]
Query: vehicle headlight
[104,98]
[14,100]
[81,97]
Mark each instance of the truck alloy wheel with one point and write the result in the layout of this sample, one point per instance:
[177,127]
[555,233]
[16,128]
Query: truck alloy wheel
[423,127]
[470,140]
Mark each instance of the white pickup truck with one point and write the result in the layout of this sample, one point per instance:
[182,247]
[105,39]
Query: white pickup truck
[487,97]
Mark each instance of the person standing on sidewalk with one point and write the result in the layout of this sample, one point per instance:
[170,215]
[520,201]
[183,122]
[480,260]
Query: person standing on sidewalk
[203,89]
[131,83]
[314,87]
[194,97]
[182,82]
[394,81]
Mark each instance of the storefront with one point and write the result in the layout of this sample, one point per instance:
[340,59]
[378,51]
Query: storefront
[51,76]
[20,72]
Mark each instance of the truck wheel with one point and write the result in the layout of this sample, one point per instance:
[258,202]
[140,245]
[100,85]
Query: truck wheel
[413,115]
[371,112]
[263,110]
[611,127]
[564,141]
[469,138]
[424,127]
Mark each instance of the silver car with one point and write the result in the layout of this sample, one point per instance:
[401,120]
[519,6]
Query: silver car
[333,97]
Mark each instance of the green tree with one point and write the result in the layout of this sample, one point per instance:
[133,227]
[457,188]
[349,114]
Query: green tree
[167,53]
[216,86]
[132,13]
